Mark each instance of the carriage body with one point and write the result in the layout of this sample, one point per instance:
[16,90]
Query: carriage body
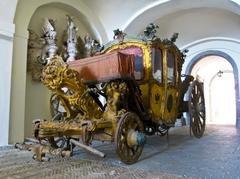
[157,72]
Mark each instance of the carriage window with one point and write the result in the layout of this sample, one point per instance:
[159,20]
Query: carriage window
[157,64]
[170,68]
[138,72]
[138,53]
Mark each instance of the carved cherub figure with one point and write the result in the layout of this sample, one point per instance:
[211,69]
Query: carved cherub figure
[87,45]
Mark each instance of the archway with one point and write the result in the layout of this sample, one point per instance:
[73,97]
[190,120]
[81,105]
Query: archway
[23,15]
[151,13]
[40,108]
[219,73]
[218,79]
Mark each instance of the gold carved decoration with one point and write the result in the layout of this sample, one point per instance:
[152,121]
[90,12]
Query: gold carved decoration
[67,83]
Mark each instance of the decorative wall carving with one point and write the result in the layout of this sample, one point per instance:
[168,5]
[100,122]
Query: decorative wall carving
[91,46]
[87,46]
[42,48]
[35,52]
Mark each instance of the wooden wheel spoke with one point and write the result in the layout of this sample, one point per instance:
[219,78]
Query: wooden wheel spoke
[195,92]
[201,115]
[196,119]
[193,95]
[133,150]
[123,138]
[198,127]
[124,131]
[198,95]
[126,152]
[123,146]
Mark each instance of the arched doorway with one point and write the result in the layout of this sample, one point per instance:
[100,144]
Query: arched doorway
[24,13]
[219,89]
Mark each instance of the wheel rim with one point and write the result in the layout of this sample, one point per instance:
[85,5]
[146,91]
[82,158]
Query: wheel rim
[197,109]
[128,154]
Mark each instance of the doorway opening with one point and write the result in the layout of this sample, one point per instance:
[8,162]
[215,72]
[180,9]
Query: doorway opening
[219,89]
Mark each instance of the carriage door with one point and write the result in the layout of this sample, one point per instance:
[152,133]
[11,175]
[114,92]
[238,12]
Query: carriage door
[170,108]
[156,85]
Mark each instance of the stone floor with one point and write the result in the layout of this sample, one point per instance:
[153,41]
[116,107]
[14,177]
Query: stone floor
[216,155]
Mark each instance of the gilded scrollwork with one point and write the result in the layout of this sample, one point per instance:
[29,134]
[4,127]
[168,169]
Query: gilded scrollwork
[117,99]
[68,84]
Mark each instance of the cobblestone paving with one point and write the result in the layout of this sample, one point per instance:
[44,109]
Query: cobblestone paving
[215,155]
[19,164]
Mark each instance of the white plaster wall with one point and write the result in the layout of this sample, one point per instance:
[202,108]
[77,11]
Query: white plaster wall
[114,14]
[153,11]
[195,24]
[132,16]
[7,28]
[5,86]
[37,104]
[18,89]
[7,10]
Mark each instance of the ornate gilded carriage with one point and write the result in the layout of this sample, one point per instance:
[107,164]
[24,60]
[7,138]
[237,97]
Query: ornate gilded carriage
[133,88]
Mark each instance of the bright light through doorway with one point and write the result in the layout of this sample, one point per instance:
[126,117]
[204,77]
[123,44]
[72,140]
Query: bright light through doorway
[219,91]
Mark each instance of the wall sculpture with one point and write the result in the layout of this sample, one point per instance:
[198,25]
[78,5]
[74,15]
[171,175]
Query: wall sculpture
[42,48]
[72,39]
[35,47]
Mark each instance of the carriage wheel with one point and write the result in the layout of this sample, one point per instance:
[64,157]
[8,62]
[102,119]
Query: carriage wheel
[129,138]
[197,109]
